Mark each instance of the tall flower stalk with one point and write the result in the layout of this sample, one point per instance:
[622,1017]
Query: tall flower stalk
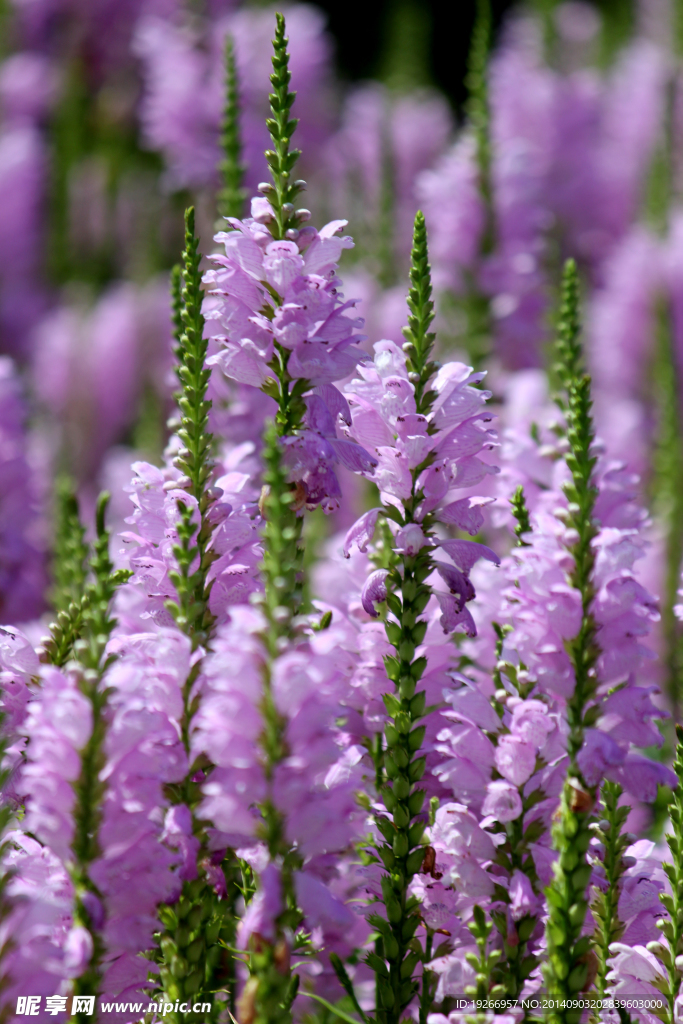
[301,346]
[477,305]
[92,664]
[478,108]
[605,906]
[232,194]
[407,595]
[193,961]
[281,159]
[272,987]
[194,459]
[566,971]
[69,575]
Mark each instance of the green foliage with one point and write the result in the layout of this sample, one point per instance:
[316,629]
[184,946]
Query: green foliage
[521,514]
[197,930]
[484,964]
[177,305]
[194,459]
[568,351]
[191,610]
[281,160]
[70,551]
[69,572]
[478,105]
[232,195]
[419,341]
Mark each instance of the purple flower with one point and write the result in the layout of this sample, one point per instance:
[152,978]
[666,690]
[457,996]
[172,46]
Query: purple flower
[410,539]
[362,532]
[309,321]
[39,923]
[313,786]
[409,132]
[453,614]
[23,162]
[59,725]
[374,590]
[90,367]
[314,451]
[455,214]
[265,906]
[515,759]
[523,900]
[155,495]
[183,71]
[22,554]
[502,801]
[384,421]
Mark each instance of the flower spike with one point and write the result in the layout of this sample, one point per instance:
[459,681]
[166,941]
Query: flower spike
[232,195]
[567,967]
[281,126]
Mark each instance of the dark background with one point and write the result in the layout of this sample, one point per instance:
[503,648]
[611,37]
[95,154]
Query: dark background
[419,42]
[414,42]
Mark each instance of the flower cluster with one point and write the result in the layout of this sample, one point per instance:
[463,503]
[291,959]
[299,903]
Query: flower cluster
[276,304]
[417,749]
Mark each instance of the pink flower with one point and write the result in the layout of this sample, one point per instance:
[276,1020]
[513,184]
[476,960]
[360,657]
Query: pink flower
[502,801]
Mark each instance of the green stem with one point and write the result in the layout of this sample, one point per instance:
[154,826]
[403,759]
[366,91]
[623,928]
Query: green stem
[281,159]
[521,514]
[479,113]
[232,195]
[484,965]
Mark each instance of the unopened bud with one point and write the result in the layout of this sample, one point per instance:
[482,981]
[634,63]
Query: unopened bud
[265,187]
